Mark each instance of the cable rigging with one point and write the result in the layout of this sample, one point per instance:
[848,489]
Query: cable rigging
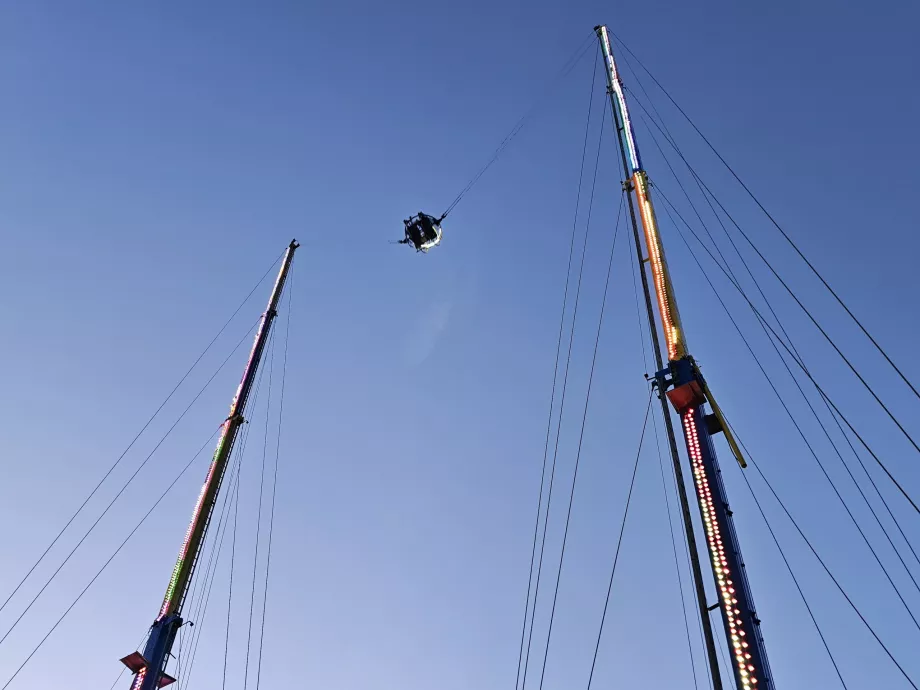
[271,519]
[567,67]
[584,417]
[110,559]
[138,435]
[790,415]
[616,555]
[773,221]
[677,569]
[817,386]
[727,270]
[255,559]
[706,193]
[549,421]
[565,380]
[827,570]
[123,489]
[423,231]
[204,592]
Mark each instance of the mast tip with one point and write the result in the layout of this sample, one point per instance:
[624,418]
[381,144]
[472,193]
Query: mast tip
[294,244]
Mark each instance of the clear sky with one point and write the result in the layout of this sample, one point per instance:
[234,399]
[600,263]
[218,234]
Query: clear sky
[157,156]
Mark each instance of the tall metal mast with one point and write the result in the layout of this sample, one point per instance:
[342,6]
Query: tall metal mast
[683,383]
[149,667]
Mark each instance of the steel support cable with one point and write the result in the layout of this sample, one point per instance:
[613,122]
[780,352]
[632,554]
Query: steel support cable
[111,558]
[120,492]
[134,440]
[878,492]
[210,576]
[811,318]
[772,534]
[236,513]
[706,193]
[271,519]
[552,397]
[584,415]
[824,395]
[217,544]
[680,582]
[824,566]
[792,418]
[565,380]
[616,555]
[199,596]
[837,451]
[835,412]
[795,581]
[196,596]
[255,559]
[567,67]
[663,128]
[730,274]
[773,221]
[201,587]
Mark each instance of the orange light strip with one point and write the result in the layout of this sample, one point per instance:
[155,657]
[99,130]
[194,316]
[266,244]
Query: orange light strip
[717,553]
[667,306]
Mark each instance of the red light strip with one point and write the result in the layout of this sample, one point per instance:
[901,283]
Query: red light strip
[139,679]
[717,554]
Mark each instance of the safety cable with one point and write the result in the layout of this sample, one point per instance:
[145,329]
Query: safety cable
[209,577]
[795,581]
[677,569]
[773,221]
[122,490]
[584,416]
[567,67]
[136,437]
[820,390]
[201,593]
[111,558]
[217,544]
[236,513]
[787,410]
[779,323]
[728,271]
[808,543]
[271,519]
[616,555]
[807,312]
[662,127]
[255,558]
[552,397]
[565,380]
[878,491]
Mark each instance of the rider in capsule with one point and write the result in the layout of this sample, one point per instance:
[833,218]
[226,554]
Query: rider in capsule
[422,231]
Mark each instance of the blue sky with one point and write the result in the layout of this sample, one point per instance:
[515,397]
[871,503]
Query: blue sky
[156,159]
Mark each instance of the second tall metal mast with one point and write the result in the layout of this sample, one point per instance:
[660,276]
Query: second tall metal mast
[150,667]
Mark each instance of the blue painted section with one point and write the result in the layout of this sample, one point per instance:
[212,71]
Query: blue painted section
[683,372]
[159,644]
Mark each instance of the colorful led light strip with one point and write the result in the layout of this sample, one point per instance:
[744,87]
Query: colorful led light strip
[667,307]
[720,567]
[139,679]
[617,86]
[183,552]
